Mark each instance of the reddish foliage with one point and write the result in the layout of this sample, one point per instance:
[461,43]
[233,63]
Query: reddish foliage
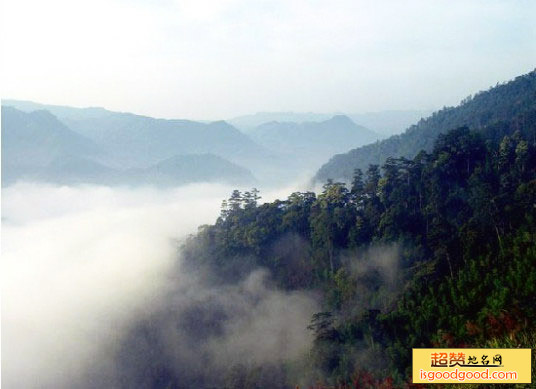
[360,380]
[472,328]
[506,323]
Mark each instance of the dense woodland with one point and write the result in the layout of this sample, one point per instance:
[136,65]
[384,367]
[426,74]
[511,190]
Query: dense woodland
[458,227]
[434,251]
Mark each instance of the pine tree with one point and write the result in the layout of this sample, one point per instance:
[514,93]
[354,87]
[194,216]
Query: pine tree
[235,201]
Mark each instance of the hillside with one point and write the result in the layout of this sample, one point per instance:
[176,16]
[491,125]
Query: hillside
[31,142]
[389,123]
[438,252]
[501,102]
[139,141]
[312,141]
[36,146]
[188,168]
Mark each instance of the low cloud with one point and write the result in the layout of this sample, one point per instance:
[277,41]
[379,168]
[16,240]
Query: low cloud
[203,333]
[376,276]
[85,268]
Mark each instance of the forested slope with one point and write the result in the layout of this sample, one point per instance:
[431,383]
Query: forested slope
[501,102]
[439,250]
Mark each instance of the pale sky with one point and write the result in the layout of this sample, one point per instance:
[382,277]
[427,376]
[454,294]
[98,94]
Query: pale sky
[214,59]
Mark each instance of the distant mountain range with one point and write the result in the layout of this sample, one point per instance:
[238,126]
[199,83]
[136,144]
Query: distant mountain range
[384,123]
[502,102]
[67,144]
[36,143]
[138,141]
[309,143]
[38,146]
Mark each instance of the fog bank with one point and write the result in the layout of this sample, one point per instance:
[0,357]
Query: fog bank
[82,265]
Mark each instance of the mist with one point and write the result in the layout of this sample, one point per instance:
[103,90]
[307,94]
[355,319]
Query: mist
[84,268]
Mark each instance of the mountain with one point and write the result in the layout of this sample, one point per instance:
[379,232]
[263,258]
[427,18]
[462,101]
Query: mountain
[34,142]
[250,122]
[439,252]
[138,141]
[501,102]
[182,169]
[60,111]
[387,123]
[310,143]
[37,146]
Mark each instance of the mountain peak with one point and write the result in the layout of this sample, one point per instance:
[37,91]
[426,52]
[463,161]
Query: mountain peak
[340,120]
[219,123]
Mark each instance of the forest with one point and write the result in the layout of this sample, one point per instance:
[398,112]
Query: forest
[434,251]
[207,194]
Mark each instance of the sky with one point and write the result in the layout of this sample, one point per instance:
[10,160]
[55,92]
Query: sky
[216,59]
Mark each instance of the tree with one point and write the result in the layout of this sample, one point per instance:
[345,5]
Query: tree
[357,186]
[235,200]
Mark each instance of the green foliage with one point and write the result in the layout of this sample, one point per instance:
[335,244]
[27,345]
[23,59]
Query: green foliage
[463,217]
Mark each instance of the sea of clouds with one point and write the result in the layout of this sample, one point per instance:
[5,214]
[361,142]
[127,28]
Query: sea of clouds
[82,265]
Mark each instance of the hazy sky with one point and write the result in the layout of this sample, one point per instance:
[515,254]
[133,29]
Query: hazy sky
[211,59]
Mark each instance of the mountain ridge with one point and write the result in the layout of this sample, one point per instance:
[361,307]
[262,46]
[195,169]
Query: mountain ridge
[311,142]
[38,146]
[484,108]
